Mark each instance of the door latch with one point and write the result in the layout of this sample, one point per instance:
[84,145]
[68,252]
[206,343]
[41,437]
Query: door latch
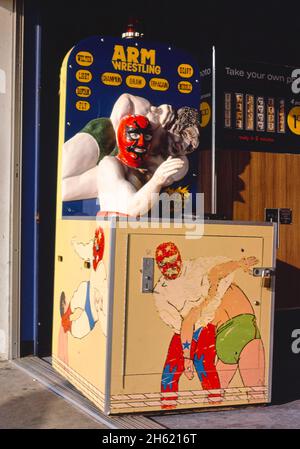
[148,275]
[263,272]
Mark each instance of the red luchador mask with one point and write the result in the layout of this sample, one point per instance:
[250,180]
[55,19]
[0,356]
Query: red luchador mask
[98,247]
[134,138]
[169,260]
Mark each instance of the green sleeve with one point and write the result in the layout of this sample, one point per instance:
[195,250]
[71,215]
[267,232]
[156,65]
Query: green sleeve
[103,132]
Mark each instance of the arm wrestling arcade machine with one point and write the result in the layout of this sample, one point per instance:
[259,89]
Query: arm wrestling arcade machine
[150,314]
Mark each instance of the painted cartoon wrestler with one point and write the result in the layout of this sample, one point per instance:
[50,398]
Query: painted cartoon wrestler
[88,303]
[98,162]
[211,318]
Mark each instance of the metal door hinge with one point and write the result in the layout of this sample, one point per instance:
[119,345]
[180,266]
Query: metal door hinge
[282,216]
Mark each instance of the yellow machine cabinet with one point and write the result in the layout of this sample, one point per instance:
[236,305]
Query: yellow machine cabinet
[146,319]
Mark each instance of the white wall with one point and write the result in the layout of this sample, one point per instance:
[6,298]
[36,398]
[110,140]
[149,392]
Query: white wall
[6,156]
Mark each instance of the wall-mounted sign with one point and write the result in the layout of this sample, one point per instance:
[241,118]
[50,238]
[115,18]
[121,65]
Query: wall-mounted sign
[257,109]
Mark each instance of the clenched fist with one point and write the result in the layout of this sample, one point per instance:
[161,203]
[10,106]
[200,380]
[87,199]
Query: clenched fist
[163,175]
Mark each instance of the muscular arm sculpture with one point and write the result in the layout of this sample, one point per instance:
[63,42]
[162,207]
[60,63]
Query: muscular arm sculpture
[118,194]
[83,151]
[128,104]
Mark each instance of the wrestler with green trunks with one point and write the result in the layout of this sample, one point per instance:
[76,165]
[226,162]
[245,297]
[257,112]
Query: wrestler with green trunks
[238,341]
[234,335]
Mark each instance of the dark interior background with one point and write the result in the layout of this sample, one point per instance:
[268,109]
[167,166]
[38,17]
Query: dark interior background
[250,30]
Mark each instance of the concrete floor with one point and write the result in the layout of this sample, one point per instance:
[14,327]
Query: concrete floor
[26,404]
[285,416]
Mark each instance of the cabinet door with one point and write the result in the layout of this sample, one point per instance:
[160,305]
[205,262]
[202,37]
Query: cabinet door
[230,339]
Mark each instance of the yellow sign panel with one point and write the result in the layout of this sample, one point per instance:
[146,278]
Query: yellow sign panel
[84,58]
[205,111]
[84,76]
[159,84]
[111,79]
[83,105]
[185,87]
[185,71]
[136,82]
[293,120]
[83,91]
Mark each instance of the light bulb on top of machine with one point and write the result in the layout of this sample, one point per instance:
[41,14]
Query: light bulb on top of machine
[131,30]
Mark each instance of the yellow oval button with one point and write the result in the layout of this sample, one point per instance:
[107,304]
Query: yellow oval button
[185,87]
[205,112]
[83,105]
[159,84]
[185,71]
[293,120]
[136,82]
[83,91]
[111,79]
[84,58]
[84,76]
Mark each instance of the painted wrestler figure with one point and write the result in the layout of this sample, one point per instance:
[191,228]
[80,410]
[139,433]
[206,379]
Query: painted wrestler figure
[96,159]
[211,318]
[88,303]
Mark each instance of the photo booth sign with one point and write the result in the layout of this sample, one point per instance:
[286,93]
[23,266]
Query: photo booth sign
[258,107]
